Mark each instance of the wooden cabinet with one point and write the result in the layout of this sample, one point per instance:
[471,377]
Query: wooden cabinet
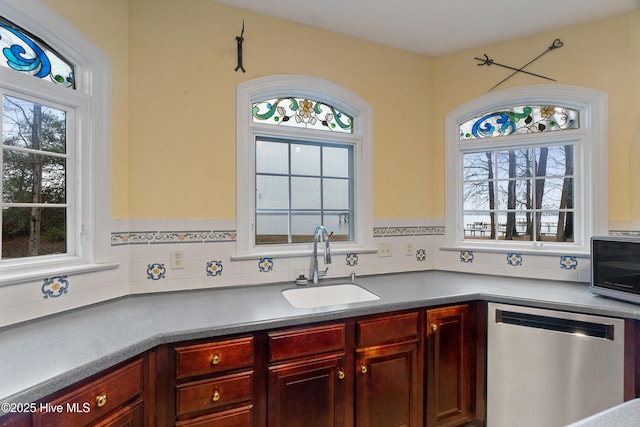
[373,371]
[388,372]
[307,377]
[452,361]
[214,383]
[114,398]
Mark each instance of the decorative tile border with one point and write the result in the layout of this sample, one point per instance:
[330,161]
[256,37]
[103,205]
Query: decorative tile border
[408,231]
[628,233]
[158,237]
[151,237]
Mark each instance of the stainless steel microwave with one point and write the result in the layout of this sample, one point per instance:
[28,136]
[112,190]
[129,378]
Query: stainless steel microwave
[615,267]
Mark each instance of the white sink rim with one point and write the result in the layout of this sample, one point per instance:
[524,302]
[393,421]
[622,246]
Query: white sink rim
[314,296]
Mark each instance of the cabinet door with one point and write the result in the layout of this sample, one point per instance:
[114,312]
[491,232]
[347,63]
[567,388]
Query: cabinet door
[130,416]
[308,392]
[388,386]
[449,361]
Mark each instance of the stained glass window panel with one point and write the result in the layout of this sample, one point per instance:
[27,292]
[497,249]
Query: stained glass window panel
[302,113]
[24,52]
[520,120]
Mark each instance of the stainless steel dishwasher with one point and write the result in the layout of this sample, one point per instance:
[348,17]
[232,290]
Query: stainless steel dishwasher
[549,368]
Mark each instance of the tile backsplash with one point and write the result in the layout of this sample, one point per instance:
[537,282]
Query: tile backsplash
[143,250]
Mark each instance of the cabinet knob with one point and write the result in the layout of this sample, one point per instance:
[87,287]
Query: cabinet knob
[101,400]
[341,374]
[216,396]
[434,327]
[215,359]
[363,369]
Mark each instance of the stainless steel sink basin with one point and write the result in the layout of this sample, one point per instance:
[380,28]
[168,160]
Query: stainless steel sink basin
[324,296]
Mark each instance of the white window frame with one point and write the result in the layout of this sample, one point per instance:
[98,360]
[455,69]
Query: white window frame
[590,150]
[361,139]
[89,127]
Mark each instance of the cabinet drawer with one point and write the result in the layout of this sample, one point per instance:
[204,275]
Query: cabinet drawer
[95,399]
[210,358]
[388,328]
[237,417]
[299,342]
[214,393]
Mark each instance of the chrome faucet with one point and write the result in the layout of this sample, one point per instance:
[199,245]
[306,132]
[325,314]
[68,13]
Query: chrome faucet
[324,235]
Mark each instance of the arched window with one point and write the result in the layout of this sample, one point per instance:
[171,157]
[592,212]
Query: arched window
[527,170]
[304,159]
[55,90]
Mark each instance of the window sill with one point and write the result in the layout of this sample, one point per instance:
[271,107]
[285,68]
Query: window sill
[545,250]
[10,277]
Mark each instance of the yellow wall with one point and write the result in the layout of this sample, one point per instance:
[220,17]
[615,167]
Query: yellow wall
[106,24]
[174,99]
[182,104]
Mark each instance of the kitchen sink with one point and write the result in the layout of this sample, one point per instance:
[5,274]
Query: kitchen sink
[323,296]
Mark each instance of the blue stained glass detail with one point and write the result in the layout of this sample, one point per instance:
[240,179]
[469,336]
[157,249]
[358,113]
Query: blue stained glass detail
[521,119]
[26,53]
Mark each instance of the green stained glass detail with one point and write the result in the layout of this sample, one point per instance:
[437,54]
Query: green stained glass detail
[24,52]
[518,120]
[302,113]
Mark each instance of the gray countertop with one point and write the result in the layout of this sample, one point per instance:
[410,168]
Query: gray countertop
[624,415]
[45,355]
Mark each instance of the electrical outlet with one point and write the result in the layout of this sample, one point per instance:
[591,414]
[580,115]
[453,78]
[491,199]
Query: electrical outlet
[177,260]
[409,249]
[384,249]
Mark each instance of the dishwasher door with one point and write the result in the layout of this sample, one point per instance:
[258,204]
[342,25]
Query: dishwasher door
[551,368]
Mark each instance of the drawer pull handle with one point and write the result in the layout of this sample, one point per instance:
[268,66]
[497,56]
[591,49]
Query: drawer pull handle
[101,400]
[215,359]
[434,327]
[341,374]
[216,396]
[363,369]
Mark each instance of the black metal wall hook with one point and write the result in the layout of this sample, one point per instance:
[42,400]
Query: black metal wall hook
[239,41]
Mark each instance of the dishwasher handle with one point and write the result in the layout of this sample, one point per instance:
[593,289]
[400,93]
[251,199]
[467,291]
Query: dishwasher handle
[570,326]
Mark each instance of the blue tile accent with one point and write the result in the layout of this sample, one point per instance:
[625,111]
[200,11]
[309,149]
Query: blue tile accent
[514,259]
[352,259]
[214,268]
[568,262]
[466,256]
[156,271]
[265,265]
[421,254]
[54,287]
